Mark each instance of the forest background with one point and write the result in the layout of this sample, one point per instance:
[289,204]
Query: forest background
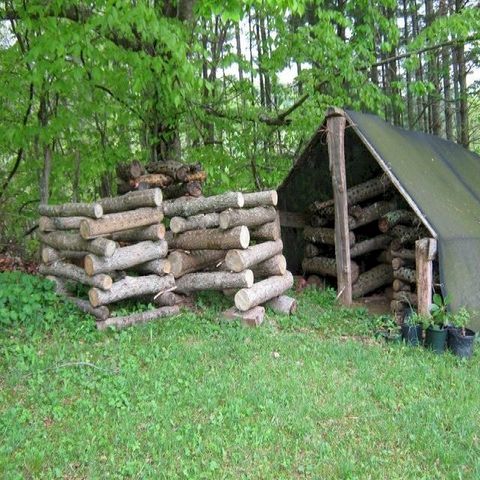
[238,86]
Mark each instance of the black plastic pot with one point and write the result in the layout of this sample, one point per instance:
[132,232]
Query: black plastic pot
[412,334]
[461,345]
[436,339]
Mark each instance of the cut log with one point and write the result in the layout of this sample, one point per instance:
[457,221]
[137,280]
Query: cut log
[72,272]
[323,235]
[311,250]
[100,313]
[153,180]
[405,235]
[390,219]
[230,292]
[60,285]
[276,265]
[262,291]
[159,267]
[406,297]
[127,171]
[197,177]
[260,199]
[318,221]
[168,299]
[192,282]
[130,287]
[251,318]
[400,262]
[137,318]
[327,266]
[51,224]
[283,304]
[182,262]
[213,239]
[50,255]
[188,206]
[238,260]
[74,242]
[251,217]
[372,279]
[152,232]
[405,274]
[118,222]
[371,213]
[91,210]
[126,257]
[401,286]
[197,222]
[132,200]
[366,246]
[404,253]
[385,257]
[194,189]
[177,170]
[268,231]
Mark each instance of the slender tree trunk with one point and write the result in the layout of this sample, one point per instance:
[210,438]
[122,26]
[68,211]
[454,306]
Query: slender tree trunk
[406,38]
[239,51]
[447,80]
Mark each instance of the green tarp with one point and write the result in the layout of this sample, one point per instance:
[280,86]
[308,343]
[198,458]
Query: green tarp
[443,181]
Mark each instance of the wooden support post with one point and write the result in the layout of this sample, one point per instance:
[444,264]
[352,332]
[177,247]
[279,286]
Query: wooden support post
[425,253]
[336,155]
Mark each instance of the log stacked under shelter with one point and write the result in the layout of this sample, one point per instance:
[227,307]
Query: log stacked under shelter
[382,235]
[174,178]
[115,247]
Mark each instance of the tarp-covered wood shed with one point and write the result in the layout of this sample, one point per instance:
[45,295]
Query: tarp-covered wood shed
[439,179]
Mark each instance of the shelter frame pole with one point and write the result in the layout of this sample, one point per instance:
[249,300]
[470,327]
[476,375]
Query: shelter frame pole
[425,253]
[336,154]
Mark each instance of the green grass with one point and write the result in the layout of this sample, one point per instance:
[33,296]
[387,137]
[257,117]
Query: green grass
[311,396]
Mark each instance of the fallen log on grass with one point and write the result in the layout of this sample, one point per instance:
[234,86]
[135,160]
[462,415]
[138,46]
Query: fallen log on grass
[192,282]
[93,210]
[74,242]
[212,239]
[238,260]
[159,267]
[251,318]
[168,299]
[137,318]
[77,274]
[283,304]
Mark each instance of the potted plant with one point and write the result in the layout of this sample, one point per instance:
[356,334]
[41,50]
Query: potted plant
[412,329]
[461,339]
[436,325]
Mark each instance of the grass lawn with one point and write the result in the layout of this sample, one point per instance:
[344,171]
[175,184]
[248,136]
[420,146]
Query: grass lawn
[311,396]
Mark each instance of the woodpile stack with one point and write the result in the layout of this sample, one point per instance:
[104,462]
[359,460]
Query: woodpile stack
[231,243]
[174,178]
[382,235]
[115,246]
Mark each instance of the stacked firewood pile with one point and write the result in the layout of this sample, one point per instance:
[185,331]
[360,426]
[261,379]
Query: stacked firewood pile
[382,231]
[174,178]
[231,243]
[114,246]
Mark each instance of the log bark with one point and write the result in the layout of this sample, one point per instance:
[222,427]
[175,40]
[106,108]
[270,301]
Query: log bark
[77,274]
[262,291]
[267,231]
[100,313]
[324,235]
[400,262]
[327,266]
[182,262]
[153,232]
[188,206]
[318,221]
[238,260]
[405,274]
[366,246]
[194,189]
[406,297]
[168,299]
[405,235]
[364,191]
[197,177]
[371,213]
[425,253]
[74,242]
[372,280]
[260,199]
[127,171]
[132,200]
[390,219]
[177,170]
[251,217]
[91,210]
[130,287]
[400,286]
[192,282]
[159,267]
[118,222]
[50,255]
[404,253]
[276,265]
[138,318]
[283,304]
[212,239]
[311,250]
[251,318]
[385,256]
[197,222]
[153,180]
[126,257]
[51,224]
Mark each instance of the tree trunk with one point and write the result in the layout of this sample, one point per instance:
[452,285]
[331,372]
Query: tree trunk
[372,280]
[91,210]
[197,222]
[370,245]
[117,222]
[130,287]
[137,318]
[153,233]
[192,282]
[168,299]
[327,266]
[214,239]
[283,304]
[132,200]
[73,241]
[251,318]
[238,260]
[77,274]
[323,235]
[126,257]
[182,262]
[276,265]
[252,217]
[260,199]
[261,292]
